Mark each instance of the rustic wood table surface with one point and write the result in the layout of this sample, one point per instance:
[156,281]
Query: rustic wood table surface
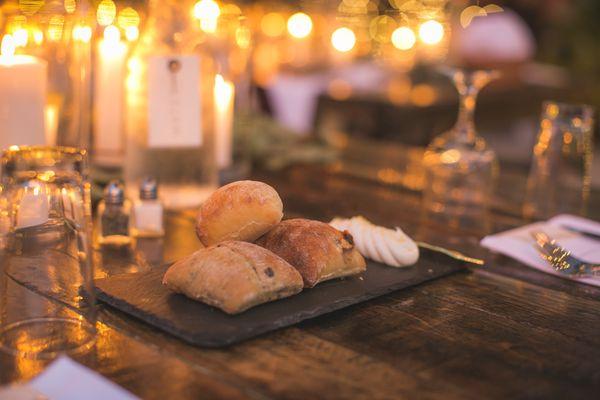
[498,331]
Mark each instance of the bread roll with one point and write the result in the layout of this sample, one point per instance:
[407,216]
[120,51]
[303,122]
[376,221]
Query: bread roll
[242,210]
[317,250]
[233,276]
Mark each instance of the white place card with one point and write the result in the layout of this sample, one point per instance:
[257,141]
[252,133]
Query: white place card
[174,104]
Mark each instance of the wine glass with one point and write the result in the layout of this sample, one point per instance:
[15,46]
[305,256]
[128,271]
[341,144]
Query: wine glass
[460,168]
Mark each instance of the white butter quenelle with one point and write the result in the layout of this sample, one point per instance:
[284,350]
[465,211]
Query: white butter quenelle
[388,246]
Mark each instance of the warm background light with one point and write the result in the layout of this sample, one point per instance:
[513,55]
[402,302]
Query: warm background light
[272,24]
[20,36]
[207,12]
[343,39]
[128,17]
[299,25]
[55,27]
[38,36]
[431,32]
[30,7]
[7,48]
[70,6]
[132,33]
[243,37]
[403,38]
[112,34]
[106,12]
[82,33]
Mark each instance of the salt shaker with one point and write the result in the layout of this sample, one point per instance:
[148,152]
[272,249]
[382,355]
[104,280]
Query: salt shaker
[147,216]
[113,217]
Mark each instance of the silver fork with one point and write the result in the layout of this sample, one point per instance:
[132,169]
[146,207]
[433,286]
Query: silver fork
[561,259]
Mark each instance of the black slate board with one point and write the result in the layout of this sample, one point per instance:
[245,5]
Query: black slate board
[143,296]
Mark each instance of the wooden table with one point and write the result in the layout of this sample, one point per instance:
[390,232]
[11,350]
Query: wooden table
[500,331]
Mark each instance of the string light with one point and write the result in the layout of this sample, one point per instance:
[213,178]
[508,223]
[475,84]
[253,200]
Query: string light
[431,32]
[343,39]
[55,27]
[128,17]
[243,36]
[70,6]
[30,7]
[272,24]
[106,12]
[207,12]
[403,38]
[299,25]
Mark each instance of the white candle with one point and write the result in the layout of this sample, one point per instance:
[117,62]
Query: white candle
[109,97]
[33,208]
[23,82]
[224,93]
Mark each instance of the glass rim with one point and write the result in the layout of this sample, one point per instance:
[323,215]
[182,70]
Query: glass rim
[14,151]
[41,156]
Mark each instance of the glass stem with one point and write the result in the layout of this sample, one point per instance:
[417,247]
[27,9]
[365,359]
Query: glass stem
[466,114]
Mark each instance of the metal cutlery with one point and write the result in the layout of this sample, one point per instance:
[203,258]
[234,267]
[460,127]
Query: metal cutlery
[561,259]
[451,253]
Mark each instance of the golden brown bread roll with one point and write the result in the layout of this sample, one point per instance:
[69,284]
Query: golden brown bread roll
[242,210]
[317,250]
[233,276]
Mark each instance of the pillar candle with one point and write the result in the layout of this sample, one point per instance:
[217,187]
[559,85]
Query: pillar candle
[23,81]
[109,98]
[224,94]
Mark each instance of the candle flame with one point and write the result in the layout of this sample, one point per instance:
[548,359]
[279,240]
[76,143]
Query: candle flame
[20,37]
[82,33]
[223,92]
[132,33]
[112,34]
[7,48]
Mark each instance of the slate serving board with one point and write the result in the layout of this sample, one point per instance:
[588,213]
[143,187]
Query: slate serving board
[143,296]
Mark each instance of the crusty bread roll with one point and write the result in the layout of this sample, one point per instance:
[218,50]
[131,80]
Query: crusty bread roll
[317,250]
[233,276]
[242,210]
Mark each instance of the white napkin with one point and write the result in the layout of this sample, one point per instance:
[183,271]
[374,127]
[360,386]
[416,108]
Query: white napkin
[66,379]
[520,245]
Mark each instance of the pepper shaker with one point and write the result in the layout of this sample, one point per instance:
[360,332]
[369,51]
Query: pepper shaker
[113,217]
[147,215]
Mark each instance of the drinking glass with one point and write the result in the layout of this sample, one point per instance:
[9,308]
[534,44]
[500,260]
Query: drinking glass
[559,179]
[47,304]
[460,169]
